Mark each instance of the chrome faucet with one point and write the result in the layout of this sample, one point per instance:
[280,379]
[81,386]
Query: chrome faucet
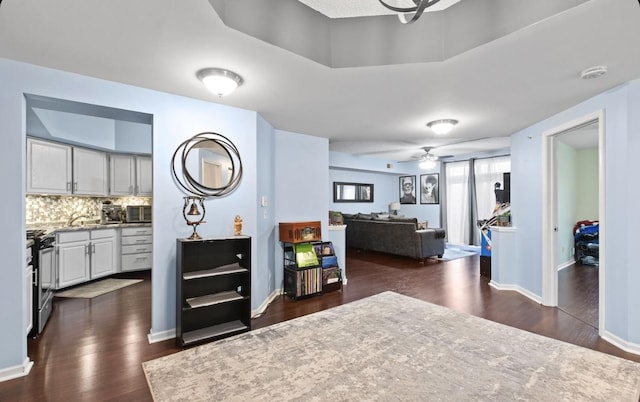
[73,218]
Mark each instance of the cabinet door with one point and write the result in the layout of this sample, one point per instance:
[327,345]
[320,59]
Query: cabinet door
[48,167]
[103,257]
[28,317]
[89,172]
[73,263]
[122,177]
[144,180]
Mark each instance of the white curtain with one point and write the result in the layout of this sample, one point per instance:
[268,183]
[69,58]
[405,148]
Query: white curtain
[458,205]
[488,172]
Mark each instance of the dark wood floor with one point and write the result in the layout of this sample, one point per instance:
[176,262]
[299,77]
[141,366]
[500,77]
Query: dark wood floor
[578,292]
[92,350]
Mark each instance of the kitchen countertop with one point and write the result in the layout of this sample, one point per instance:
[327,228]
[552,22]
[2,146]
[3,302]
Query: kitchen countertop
[52,227]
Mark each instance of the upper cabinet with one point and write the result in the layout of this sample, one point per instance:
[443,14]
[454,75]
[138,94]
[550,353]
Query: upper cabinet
[50,169]
[144,179]
[89,172]
[130,175]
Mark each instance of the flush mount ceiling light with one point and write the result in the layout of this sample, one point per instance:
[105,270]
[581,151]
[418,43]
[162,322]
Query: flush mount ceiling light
[442,126]
[593,72]
[219,81]
[408,15]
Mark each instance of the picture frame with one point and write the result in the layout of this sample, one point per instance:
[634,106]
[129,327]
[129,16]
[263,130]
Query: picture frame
[352,192]
[430,188]
[407,186]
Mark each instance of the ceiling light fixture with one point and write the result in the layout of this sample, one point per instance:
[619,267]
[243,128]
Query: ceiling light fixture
[593,72]
[442,126]
[219,81]
[405,13]
[427,164]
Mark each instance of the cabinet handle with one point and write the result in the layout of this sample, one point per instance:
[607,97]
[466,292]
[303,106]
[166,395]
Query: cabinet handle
[93,248]
[141,241]
[141,231]
[141,249]
[141,258]
[86,249]
[34,277]
[68,186]
[75,186]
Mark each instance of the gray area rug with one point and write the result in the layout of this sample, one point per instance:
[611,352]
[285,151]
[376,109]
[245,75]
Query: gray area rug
[391,347]
[451,253]
[98,288]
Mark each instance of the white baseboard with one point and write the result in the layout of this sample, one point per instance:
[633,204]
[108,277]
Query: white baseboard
[566,264]
[257,312]
[517,288]
[155,337]
[21,370]
[621,343]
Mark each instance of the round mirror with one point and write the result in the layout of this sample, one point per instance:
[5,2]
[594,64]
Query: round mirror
[207,165]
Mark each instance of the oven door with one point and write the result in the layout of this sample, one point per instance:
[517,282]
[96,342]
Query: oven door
[46,274]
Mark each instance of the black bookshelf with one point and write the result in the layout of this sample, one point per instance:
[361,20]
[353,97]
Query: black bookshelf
[213,288]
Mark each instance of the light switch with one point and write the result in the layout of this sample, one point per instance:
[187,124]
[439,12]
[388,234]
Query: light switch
[263,201]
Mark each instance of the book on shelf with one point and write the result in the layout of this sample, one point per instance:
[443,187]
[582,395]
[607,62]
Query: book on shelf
[306,256]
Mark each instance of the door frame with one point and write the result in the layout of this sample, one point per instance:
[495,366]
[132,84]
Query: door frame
[549,211]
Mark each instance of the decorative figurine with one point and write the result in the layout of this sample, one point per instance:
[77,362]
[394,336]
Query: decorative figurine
[190,204]
[237,226]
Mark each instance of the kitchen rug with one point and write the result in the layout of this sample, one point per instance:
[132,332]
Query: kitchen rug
[98,288]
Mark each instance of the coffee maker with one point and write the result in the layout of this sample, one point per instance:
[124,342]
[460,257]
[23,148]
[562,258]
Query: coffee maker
[111,213]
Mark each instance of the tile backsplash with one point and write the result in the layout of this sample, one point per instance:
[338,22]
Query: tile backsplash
[47,208]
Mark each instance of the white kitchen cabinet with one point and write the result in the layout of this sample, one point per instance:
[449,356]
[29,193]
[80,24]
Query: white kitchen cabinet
[144,179]
[84,255]
[130,175]
[122,174]
[49,169]
[104,252]
[136,248]
[73,258]
[54,168]
[89,172]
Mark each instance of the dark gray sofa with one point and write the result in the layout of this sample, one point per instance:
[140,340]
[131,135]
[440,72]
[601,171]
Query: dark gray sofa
[395,237]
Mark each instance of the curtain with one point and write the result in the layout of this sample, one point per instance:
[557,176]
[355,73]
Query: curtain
[488,172]
[458,205]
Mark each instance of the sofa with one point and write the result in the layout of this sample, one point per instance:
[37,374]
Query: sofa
[394,236]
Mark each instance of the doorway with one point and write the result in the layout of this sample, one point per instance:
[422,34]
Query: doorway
[554,227]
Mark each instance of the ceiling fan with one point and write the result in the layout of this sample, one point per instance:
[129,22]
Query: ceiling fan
[429,160]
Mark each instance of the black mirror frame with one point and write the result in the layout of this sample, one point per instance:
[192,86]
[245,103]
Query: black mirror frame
[188,183]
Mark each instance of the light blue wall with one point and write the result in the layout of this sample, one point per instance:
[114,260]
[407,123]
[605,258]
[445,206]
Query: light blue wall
[587,184]
[174,119]
[384,174]
[133,137]
[622,109]
[566,191]
[267,237]
[301,188]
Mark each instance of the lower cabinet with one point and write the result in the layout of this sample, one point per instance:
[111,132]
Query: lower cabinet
[104,252]
[85,254]
[73,258]
[137,244]
[213,288]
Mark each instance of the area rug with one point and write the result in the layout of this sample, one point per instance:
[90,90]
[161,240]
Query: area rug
[451,253]
[98,288]
[391,347]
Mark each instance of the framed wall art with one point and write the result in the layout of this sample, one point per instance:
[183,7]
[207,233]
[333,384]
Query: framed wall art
[407,189]
[429,188]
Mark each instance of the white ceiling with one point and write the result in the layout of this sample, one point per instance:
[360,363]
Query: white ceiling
[494,90]
[362,8]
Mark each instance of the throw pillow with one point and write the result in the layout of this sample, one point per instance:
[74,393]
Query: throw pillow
[423,225]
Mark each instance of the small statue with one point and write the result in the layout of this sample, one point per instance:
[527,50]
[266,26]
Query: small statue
[237,226]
